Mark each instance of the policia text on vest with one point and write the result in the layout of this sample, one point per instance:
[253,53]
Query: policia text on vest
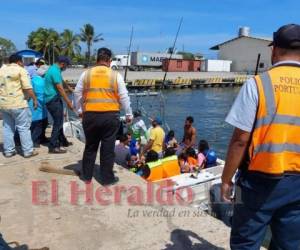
[288,85]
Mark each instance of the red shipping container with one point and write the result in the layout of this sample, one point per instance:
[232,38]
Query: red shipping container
[181,65]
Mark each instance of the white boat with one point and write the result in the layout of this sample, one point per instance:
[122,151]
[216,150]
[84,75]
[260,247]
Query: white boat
[74,129]
[200,184]
[144,93]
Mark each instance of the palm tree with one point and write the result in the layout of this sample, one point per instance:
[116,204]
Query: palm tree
[70,43]
[46,41]
[88,36]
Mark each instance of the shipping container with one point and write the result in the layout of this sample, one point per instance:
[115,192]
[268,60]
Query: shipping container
[216,65]
[181,65]
[143,60]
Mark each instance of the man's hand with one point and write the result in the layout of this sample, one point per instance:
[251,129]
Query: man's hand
[70,105]
[226,191]
[35,103]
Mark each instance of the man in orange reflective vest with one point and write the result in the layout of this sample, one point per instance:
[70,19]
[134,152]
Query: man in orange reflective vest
[99,94]
[266,147]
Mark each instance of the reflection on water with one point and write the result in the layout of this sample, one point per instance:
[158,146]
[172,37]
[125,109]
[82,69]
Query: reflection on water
[208,106]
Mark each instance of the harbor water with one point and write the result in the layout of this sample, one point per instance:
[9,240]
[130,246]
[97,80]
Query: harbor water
[208,106]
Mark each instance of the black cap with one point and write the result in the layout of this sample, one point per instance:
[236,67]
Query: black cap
[104,53]
[64,59]
[14,58]
[287,37]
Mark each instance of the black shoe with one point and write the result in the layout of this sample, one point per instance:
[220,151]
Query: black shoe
[79,174]
[66,144]
[86,181]
[109,182]
[57,151]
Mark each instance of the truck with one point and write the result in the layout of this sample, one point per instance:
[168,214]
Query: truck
[148,60]
[120,62]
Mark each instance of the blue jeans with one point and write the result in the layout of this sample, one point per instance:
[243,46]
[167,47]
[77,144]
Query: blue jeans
[56,110]
[263,202]
[20,120]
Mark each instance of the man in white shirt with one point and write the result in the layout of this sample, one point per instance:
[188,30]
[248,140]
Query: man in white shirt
[99,95]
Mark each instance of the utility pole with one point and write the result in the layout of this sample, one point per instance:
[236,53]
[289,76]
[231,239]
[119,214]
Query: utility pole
[172,50]
[128,55]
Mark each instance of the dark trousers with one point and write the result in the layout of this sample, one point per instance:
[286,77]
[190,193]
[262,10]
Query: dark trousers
[56,110]
[99,127]
[262,202]
[3,244]
[38,130]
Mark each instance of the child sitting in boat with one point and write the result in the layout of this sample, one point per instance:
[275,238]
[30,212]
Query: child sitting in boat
[188,161]
[206,157]
[170,140]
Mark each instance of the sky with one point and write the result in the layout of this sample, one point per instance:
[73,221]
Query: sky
[155,22]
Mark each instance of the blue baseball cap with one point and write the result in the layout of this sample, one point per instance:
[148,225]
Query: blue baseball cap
[158,120]
[64,59]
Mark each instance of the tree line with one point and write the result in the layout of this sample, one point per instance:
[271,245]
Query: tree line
[51,43]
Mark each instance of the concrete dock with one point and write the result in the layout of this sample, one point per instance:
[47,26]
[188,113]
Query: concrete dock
[91,224]
[146,80]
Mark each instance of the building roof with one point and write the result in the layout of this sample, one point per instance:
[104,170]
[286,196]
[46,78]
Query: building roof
[29,52]
[217,47]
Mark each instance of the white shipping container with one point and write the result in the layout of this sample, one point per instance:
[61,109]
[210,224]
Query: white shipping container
[150,59]
[216,65]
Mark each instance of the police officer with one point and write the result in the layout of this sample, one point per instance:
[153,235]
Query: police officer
[266,143]
[99,94]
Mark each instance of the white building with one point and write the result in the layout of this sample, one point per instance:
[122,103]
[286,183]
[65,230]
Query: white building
[243,52]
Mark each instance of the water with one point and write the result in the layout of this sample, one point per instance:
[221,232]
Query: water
[208,106]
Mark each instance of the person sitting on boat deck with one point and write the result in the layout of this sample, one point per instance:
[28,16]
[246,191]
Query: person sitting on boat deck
[156,139]
[133,145]
[54,93]
[122,152]
[138,127]
[192,159]
[40,115]
[170,140]
[189,135]
[155,165]
[188,161]
[206,157]
[99,96]
[170,163]
[15,87]
[183,163]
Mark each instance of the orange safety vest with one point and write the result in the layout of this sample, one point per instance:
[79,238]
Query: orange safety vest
[100,91]
[156,170]
[170,166]
[275,143]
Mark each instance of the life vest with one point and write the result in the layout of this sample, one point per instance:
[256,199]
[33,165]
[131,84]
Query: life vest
[100,92]
[211,158]
[156,170]
[275,143]
[170,166]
